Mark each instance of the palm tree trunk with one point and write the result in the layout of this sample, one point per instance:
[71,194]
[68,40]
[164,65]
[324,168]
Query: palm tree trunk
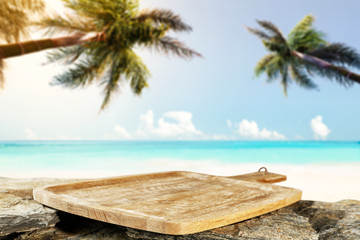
[21,48]
[324,64]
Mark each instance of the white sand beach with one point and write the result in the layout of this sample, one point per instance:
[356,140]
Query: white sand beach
[322,182]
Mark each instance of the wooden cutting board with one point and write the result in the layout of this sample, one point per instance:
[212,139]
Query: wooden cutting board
[174,203]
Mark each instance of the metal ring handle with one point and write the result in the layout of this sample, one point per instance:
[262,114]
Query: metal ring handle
[263,168]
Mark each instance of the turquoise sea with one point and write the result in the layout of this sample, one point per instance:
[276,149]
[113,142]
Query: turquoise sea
[131,156]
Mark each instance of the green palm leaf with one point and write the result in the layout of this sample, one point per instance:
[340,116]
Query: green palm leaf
[270,27]
[111,81]
[332,74]
[263,64]
[338,53]
[301,78]
[169,45]
[85,70]
[66,55]
[65,24]
[303,37]
[261,34]
[284,77]
[304,24]
[126,66]
[273,68]
[137,72]
[166,17]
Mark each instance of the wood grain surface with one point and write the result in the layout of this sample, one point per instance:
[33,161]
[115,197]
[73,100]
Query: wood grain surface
[174,203]
[262,177]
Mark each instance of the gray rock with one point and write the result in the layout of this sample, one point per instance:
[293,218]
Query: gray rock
[333,221]
[73,227]
[22,218]
[281,224]
[18,211]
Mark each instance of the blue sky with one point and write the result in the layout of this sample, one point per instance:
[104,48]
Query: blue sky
[216,97]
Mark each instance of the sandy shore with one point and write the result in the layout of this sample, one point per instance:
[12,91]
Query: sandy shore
[321,182]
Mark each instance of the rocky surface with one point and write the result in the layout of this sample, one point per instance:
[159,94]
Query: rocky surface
[23,218]
[18,211]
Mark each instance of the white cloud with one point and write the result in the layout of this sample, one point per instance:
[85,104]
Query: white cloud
[250,129]
[229,123]
[178,125]
[173,125]
[30,134]
[121,132]
[321,131]
[147,121]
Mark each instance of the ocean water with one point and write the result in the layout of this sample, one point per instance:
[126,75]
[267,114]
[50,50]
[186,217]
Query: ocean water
[124,157]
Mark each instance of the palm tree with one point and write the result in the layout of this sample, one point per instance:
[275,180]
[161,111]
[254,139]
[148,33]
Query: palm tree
[303,54]
[100,40]
[14,20]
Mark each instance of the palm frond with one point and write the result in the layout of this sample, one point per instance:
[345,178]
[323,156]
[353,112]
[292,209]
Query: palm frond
[261,34]
[329,73]
[93,9]
[104,12]
[301,78]
[262,65]
[302,26]
[304,37]
[307,41]
[277,46]
[274,68]
[85,71]
[338,53]
[126,66]
[284,78]
[33,5]
[136,71]
[169,45]
[12,23]
[15,18]
[66,55]
[270,27]
[82,74]
[111,82]
[272,39]
[166,17]
[68,24]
